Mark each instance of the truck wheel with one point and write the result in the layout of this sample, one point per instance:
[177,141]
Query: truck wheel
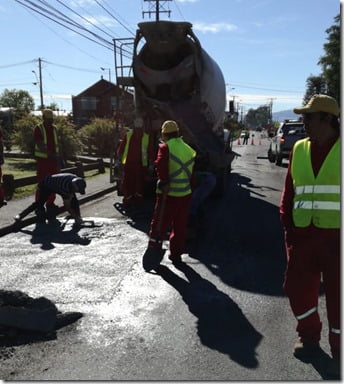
[279,160]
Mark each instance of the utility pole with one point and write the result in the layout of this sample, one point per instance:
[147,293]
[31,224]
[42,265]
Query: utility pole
[270,109]
[40,81]
[159,8]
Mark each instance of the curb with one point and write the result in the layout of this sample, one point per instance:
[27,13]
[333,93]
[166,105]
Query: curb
[15,227]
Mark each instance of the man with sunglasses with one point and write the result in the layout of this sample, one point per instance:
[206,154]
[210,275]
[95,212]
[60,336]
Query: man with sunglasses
[310,213]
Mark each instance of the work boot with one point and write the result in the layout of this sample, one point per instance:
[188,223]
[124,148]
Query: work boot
[176,259]
[304,349]
[333,368]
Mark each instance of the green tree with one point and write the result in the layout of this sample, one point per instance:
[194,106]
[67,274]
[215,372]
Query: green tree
[70,144]
[330,61]
[258,117]
[20,100]
[23,133]
[98,137]
[314,84]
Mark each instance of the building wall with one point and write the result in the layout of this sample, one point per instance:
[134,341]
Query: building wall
[100,100]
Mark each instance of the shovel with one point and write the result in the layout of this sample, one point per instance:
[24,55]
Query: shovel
[153,255]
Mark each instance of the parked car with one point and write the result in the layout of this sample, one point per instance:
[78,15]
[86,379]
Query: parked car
[287,134]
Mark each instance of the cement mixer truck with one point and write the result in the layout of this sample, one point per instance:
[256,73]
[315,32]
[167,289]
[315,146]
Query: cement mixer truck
[174,78]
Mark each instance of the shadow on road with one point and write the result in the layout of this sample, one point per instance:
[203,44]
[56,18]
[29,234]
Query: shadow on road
[53,232]
[242,241]
[221,324]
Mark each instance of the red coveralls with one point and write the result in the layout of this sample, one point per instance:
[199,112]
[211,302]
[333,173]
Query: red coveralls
[46,166]
[2,192]
[134,171]
[176,212]
[311,252]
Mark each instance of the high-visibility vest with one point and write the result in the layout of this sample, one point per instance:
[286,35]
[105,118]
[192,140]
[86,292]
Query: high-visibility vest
[144,148]
[38,152]
[180,166]
[316,199]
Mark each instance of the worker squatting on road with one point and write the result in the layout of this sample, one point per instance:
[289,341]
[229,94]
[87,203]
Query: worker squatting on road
[2,192]
[310,212]
[136,154]
[47,153]
[64,184]
[174,166]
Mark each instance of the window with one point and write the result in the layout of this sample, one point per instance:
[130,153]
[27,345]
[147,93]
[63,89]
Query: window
[88,103]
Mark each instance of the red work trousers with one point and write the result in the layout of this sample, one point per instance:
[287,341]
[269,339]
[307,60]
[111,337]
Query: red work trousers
[175,218]
[46,167]
[308,258]
[133,180]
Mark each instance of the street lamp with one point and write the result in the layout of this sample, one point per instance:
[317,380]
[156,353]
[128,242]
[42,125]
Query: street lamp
[103,69]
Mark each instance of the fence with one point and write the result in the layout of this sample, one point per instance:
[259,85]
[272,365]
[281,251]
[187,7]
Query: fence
[10,183]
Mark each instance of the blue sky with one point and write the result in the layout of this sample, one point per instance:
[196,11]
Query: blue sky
[266,49]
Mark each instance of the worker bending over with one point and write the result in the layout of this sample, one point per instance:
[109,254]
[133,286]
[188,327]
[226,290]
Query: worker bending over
[63,184]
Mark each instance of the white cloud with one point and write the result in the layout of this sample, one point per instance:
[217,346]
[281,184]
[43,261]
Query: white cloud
[213,27]
[101,20]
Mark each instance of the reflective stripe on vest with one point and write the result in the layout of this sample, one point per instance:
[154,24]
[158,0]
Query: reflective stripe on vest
[306,314]
[317,199]
[38,152]
[335,330]
[181,162]
[144,147]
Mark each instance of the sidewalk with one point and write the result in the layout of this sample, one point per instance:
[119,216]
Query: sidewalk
[97,186]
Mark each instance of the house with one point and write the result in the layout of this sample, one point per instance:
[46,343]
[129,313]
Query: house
[105,100]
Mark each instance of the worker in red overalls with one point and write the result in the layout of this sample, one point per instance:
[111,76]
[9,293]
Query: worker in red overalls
[136,154]
[2,192]
[47,155]
[174,166]
[310,212]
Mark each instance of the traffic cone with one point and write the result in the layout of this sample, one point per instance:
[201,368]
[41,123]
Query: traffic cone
[239,141]
[252,142]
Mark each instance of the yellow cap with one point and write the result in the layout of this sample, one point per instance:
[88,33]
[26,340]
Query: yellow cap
[169,126]
[47,114]
[319,103]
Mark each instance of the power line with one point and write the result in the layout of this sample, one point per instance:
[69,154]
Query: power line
[107,11]
[63,25]
[17,64]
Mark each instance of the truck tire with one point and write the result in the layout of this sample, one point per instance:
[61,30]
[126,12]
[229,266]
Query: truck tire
[271,156]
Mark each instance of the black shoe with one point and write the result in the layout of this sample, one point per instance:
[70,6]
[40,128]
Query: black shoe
[305,350]
[3,203]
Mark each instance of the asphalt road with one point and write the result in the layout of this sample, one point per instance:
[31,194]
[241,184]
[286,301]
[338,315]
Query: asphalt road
[222,315]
